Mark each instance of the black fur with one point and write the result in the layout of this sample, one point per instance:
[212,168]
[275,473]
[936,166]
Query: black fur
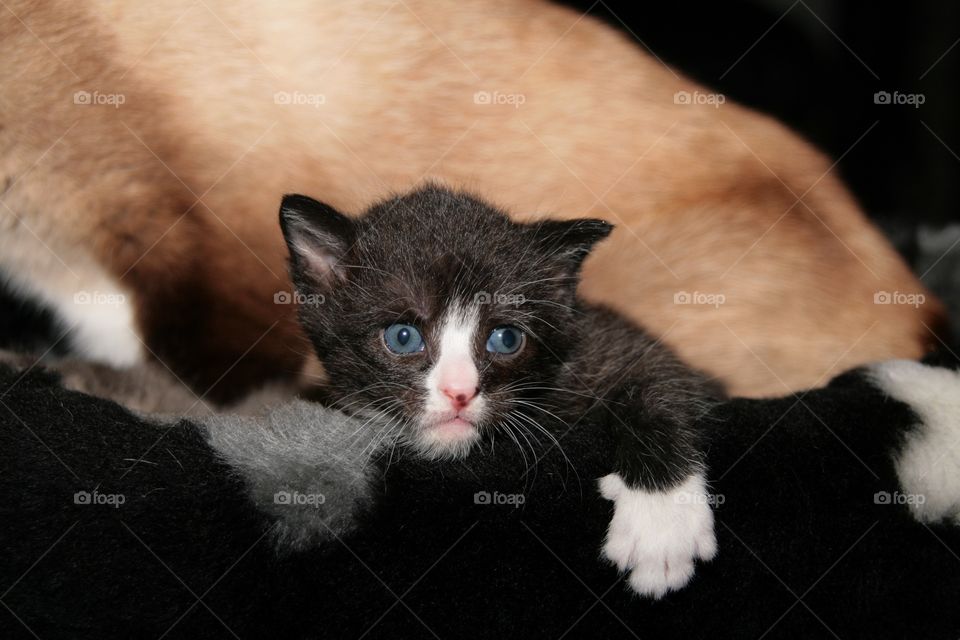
[799,520]
[410,258]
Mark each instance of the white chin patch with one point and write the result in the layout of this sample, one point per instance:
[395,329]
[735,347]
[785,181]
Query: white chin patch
[446,440]
[657,536]
[928,464]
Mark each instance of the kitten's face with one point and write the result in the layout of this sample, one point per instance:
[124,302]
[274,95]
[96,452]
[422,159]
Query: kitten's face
[439,314]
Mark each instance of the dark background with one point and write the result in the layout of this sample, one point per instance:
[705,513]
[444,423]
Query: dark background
[812,79]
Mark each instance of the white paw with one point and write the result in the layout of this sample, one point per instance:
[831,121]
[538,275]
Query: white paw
[928,462]
[657,535]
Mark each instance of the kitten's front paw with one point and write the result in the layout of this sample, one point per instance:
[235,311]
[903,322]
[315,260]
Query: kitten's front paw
[657,535]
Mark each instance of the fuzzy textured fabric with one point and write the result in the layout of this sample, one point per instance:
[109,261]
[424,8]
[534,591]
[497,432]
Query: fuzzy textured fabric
[113,527]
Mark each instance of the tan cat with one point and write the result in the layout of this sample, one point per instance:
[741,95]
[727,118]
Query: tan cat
[144,148]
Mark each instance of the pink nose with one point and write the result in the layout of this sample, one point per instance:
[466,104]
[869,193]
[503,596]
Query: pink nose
[460,394]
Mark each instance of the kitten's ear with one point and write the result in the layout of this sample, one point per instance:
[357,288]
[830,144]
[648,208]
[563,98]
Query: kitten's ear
[318,237]
[569,242]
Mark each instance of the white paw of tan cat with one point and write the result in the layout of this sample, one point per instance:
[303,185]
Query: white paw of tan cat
[658,535]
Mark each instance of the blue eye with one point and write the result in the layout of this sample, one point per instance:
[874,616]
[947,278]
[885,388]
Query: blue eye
[505,340]
[403,339]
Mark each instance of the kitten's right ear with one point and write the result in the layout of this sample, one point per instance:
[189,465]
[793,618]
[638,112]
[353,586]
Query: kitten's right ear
[318,237]
[569,242]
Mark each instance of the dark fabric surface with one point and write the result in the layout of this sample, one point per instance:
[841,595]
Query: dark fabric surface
[805,551]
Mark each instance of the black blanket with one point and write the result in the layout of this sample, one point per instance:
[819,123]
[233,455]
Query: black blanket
[112,527]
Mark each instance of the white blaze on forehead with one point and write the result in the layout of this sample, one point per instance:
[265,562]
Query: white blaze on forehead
[454,365]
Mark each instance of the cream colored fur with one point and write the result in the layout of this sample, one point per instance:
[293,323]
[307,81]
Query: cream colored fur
[228,104]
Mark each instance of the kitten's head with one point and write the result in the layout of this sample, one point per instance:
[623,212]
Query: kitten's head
[435,311]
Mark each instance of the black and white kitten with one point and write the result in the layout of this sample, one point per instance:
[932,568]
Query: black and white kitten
[435,311]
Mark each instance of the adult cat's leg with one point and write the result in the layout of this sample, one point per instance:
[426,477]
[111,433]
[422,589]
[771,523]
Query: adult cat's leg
[118,216]
[146,388]
[927,460]
[94,308]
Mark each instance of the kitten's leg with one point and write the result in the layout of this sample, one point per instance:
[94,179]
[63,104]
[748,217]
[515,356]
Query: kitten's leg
[657,535]
[663,521]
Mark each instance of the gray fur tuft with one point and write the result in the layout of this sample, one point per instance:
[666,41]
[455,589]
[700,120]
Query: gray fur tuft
[285,449]
[309,466]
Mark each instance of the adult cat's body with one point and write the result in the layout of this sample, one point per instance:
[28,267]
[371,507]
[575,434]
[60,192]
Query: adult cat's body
[437,314]
[141,148]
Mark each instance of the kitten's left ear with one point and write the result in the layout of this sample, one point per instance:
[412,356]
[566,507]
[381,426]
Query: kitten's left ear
[318,237]
[569,242]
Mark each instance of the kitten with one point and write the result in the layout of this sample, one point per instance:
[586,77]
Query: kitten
[435,312]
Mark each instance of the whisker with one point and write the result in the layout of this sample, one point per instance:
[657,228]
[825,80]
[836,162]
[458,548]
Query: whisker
[556,443]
